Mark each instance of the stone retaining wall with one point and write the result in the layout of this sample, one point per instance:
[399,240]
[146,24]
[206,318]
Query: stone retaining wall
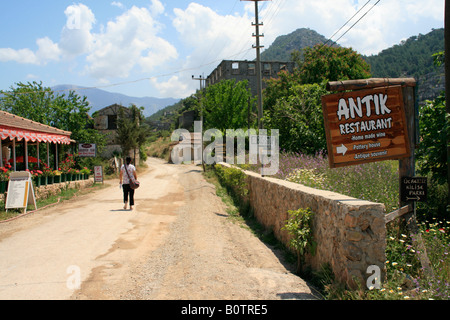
[350,233]
[46,191]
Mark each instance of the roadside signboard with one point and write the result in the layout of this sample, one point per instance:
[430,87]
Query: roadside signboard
[20,191]
[86,150]
[365,126]
[413,189]
[98,174]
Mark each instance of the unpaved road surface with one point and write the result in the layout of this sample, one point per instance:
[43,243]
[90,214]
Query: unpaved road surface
[177,244]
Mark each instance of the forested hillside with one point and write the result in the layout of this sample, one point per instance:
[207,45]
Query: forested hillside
[410,58]
[413,58]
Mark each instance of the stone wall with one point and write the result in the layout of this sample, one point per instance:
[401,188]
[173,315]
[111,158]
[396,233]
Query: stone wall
[350,233]
[46,191]
[43,192]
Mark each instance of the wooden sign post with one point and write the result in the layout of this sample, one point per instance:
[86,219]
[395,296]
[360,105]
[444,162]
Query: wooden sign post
[377,121]
[365,126]
[20,191]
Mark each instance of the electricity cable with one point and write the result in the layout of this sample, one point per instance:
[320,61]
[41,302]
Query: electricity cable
[351,27]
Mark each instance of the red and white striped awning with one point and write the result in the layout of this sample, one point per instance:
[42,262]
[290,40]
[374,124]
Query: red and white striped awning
[33,136]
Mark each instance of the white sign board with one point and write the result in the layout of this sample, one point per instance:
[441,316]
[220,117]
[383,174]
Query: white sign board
[98,174]
[86,150]
[20,191]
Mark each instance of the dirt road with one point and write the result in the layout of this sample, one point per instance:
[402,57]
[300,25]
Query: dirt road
[177,244]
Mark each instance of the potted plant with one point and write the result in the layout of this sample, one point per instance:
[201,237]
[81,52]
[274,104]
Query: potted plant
[57,176]
[4,178]
[48,173]
[36,176]
[85,172]
[66,167]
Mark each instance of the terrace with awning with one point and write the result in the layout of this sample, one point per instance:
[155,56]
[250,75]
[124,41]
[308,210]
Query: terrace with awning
[16,130]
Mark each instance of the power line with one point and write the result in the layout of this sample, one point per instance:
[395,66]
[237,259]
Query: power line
[351,27]
[215,40]
[346,22]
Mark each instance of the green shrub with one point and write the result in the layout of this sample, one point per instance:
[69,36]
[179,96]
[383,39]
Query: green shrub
[300,227]
[233,179]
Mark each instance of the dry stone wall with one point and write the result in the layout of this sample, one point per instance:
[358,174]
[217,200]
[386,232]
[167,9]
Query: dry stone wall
[43,192]
[350,233]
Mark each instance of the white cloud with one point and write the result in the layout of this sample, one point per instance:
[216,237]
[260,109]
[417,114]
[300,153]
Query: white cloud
[209,38]
[156,8]
[20,56]
[47,51]
[175,87]
[129,41]
[76,37]
[117,4]
[211,35]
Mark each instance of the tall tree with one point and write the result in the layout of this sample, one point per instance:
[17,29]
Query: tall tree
[292,102]
[66,112]
[32,101]
[225,105]
[324,63]
[298,117]
[131,133]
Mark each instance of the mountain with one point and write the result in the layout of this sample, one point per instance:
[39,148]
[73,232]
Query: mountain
[282,47]
[98,99]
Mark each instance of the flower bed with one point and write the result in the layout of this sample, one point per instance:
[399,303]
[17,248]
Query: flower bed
[44,175]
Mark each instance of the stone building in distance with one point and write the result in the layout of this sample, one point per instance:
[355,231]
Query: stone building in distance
[246,70]
[105,121]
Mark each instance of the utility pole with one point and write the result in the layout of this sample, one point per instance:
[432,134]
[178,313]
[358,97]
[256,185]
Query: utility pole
[202,86]
[447,86]
[258,62]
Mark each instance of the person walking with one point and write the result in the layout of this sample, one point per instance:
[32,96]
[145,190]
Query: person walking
[127,171]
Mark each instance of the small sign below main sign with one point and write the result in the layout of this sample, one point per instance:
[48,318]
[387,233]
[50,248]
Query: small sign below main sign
[413,189]
[365,126]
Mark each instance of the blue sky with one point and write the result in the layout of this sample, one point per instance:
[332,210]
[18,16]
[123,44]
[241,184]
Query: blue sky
[153,47]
